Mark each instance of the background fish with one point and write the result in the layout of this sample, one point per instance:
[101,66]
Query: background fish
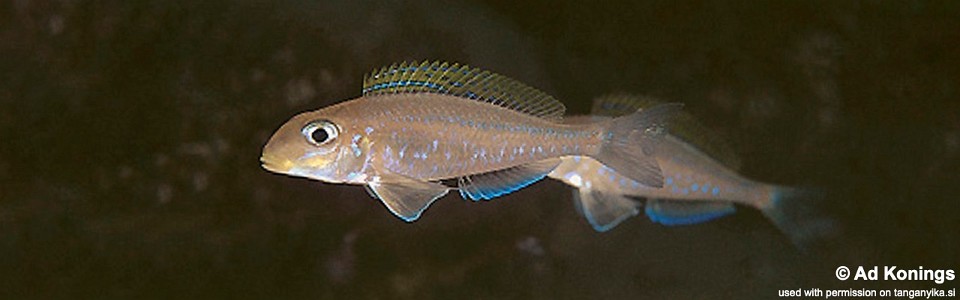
[698,186]
[418,124]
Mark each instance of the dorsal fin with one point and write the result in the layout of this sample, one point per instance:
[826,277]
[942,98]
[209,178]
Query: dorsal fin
[683,125]
[462,81]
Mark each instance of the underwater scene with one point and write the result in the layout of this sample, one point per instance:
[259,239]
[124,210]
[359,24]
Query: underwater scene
[294,149]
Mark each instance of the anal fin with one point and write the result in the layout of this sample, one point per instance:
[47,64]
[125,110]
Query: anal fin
[604,210]
[405,197]
[494,184]
[675,212]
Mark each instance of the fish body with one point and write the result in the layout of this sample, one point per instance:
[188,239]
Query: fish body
[688,175]
[419,124]
[433,137]
[697,186]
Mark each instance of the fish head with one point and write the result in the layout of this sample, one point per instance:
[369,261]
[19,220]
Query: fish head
[316,146]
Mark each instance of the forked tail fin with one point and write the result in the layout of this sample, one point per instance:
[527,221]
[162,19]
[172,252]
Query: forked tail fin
[630,142]
[795,211]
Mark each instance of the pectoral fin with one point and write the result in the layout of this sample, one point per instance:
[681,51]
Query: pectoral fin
[604,210]
[673,212]
[405,197]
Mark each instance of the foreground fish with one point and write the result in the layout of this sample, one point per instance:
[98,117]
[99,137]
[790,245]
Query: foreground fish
[698,186]
[418,124]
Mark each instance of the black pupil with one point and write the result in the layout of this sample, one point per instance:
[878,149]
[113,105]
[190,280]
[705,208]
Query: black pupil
[320,135]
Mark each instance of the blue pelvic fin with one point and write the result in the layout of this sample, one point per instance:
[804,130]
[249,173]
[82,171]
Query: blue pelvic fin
[604,210]
[494,184]
[462,81]
[405,197]
[678,212]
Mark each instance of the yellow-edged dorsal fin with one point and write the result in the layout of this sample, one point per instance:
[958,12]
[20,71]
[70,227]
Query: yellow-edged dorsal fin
[462,81]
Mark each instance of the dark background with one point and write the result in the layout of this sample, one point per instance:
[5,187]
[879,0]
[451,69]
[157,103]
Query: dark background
[130,133]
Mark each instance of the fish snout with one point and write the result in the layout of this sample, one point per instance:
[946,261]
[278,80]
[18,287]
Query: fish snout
[275,164]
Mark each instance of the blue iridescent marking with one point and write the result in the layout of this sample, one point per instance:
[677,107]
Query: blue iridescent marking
[672,218]
[715,191]
[354,146]
[694,187]
[497,191]
[356,150]
[668,181]
[403,83]
[705,188]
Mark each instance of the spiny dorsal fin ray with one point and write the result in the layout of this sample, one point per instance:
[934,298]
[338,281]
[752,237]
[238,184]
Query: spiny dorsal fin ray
[494,184]
[462,81]
[683,125]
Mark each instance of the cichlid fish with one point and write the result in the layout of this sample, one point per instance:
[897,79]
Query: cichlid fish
[697,187]
[419,124]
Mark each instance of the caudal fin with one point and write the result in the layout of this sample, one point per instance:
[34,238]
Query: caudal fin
[631,140]
[795,211]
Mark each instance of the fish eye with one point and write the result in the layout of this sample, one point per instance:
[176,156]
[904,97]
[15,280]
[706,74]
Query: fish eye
[319,132]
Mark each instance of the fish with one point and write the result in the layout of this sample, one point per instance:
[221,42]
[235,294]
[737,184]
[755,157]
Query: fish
[701,182]
[418,126]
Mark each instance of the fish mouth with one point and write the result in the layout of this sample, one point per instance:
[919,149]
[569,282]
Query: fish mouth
[270,164]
